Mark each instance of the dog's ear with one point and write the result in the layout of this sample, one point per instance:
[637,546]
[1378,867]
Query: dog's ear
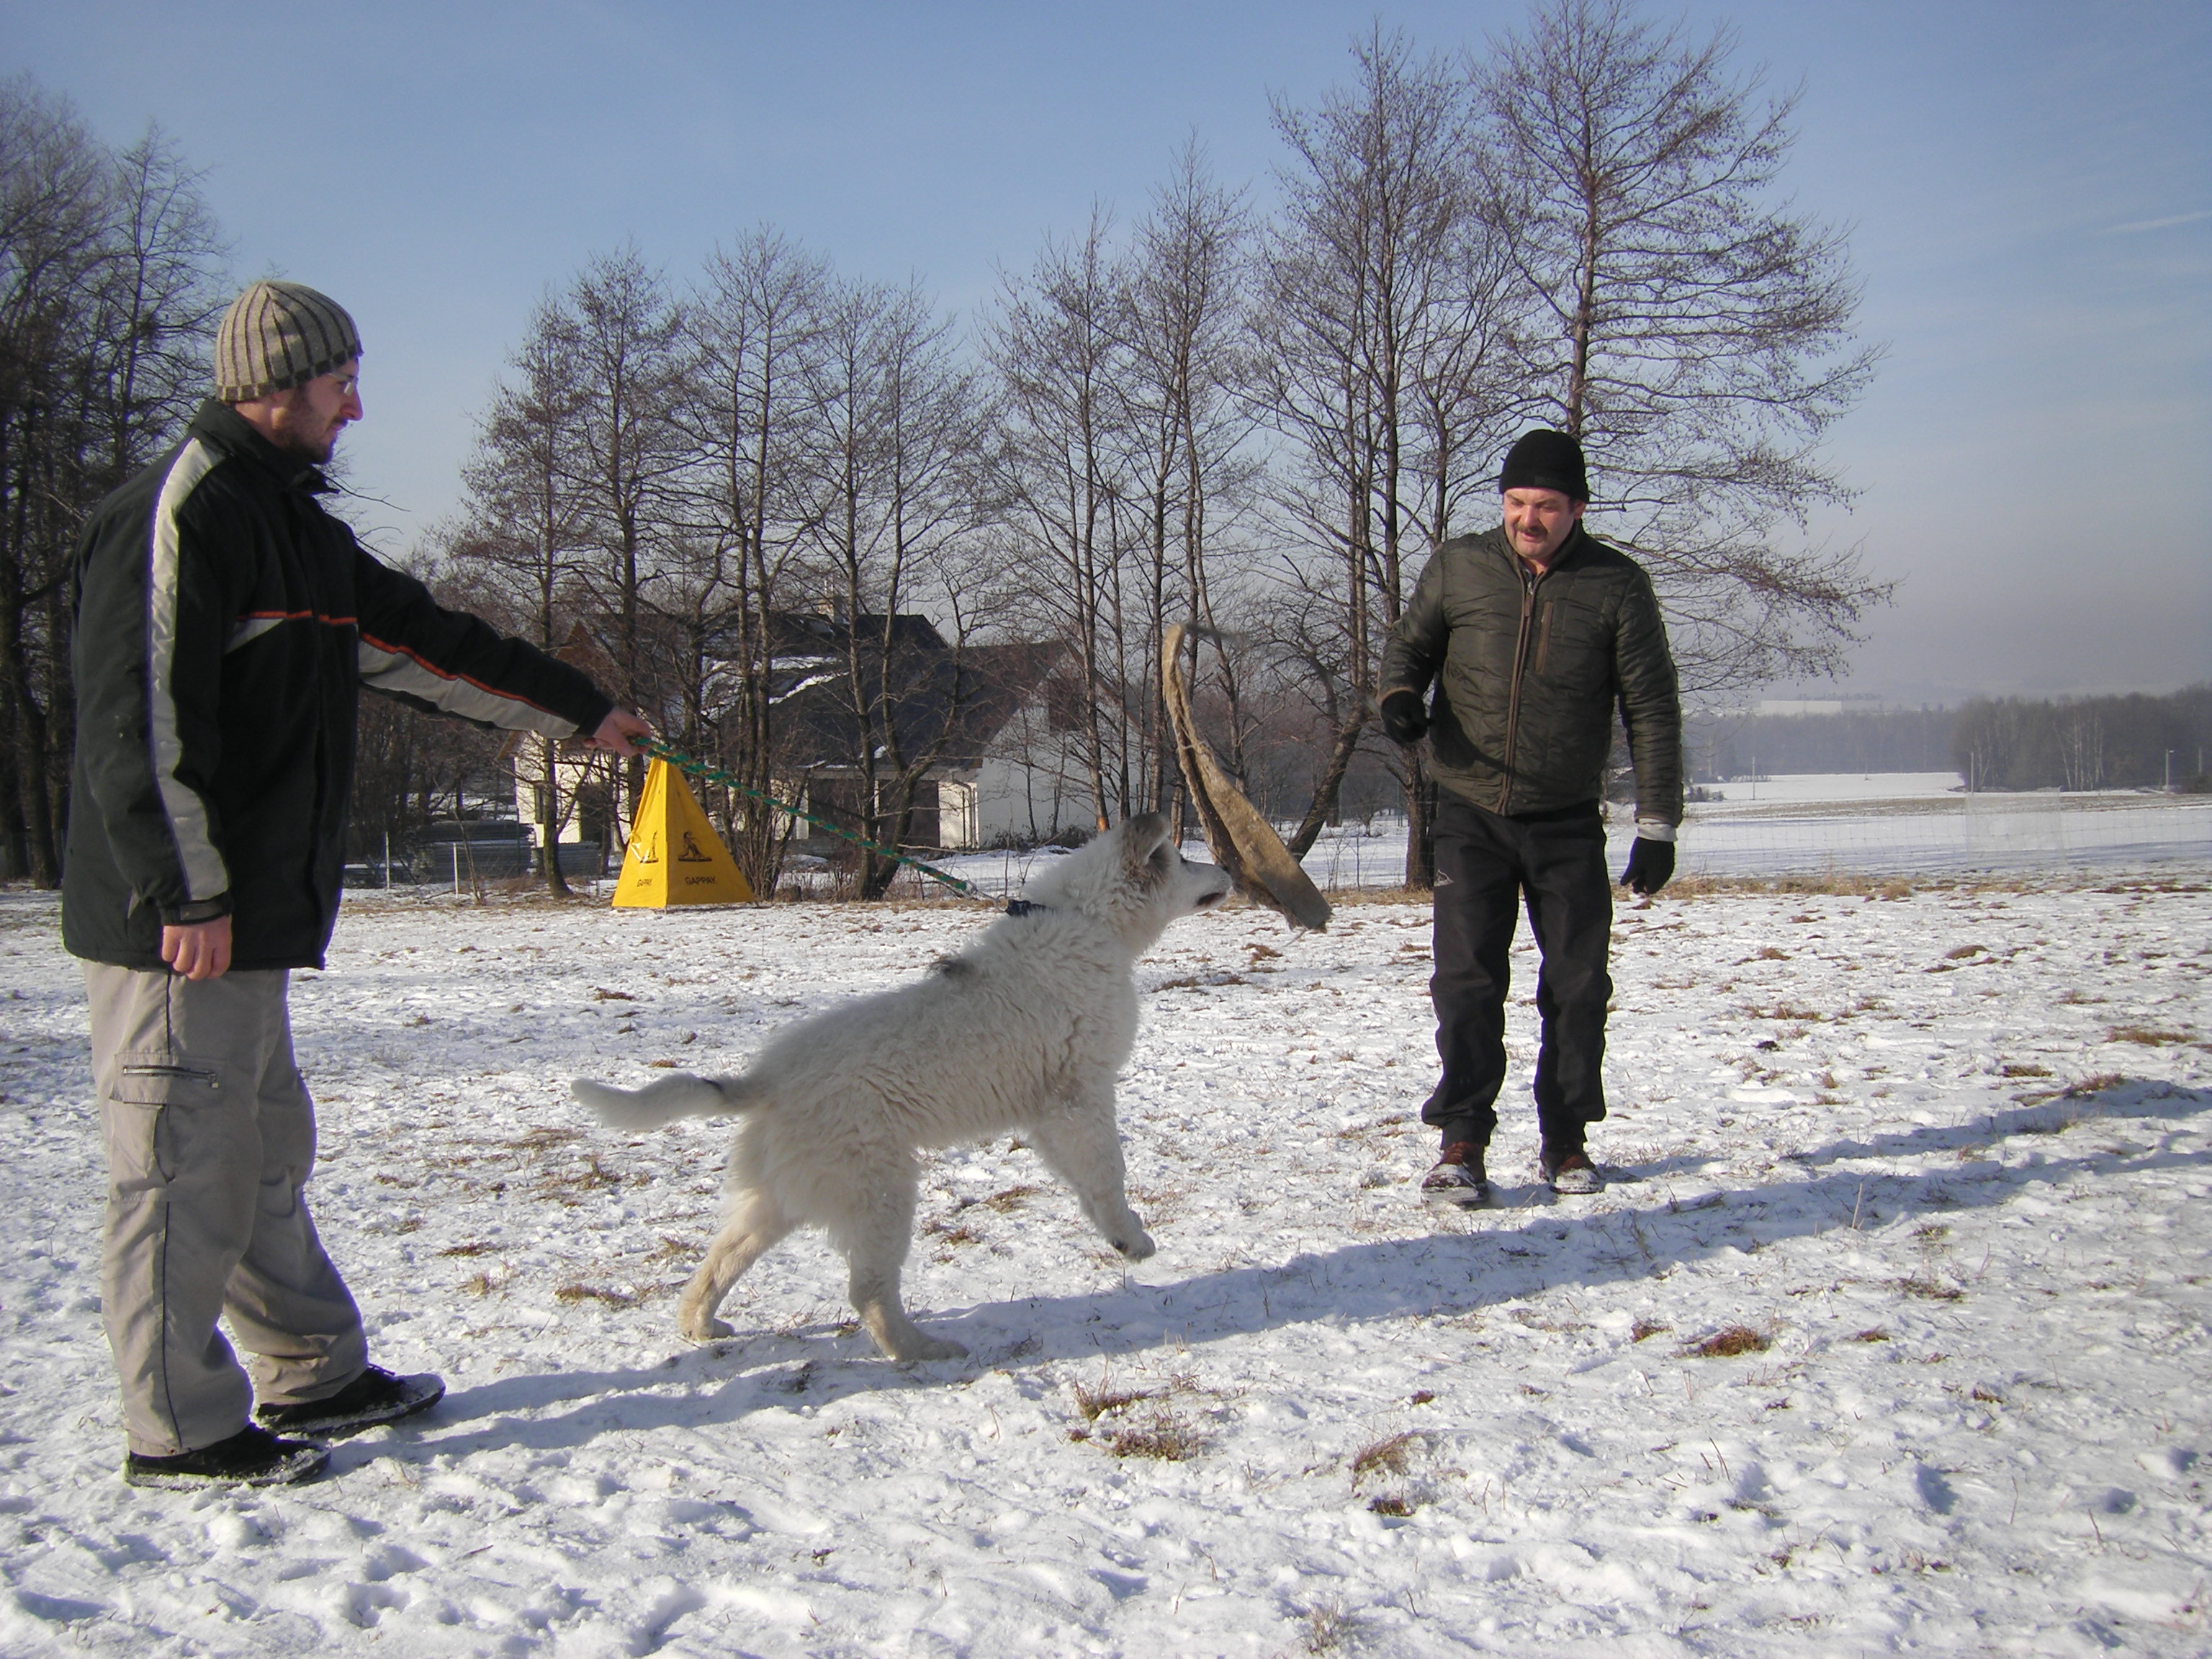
[1141,837]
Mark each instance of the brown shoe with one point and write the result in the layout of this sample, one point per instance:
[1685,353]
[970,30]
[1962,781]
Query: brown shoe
[1458,1178]
[1572,1175]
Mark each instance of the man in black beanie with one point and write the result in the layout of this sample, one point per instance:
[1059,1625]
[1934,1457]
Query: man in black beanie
[1527,638]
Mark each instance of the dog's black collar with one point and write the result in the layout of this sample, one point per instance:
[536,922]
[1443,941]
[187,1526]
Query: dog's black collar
[1023,907]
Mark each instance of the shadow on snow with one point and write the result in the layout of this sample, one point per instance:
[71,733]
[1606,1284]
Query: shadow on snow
[1528,1252]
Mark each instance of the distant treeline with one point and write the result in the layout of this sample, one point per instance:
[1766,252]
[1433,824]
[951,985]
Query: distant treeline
[1885,740]
[2085,743]
[1993,743]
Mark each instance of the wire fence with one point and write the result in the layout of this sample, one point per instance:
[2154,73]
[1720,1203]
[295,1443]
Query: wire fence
[1945,835]
[1909,825]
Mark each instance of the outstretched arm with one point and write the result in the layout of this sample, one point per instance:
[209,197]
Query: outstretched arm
[414,649]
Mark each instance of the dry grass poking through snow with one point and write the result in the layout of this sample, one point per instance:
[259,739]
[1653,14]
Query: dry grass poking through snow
[1163,1433]
[1327,1629]
[2149,1037]
[1727,1342]
[1388,1455]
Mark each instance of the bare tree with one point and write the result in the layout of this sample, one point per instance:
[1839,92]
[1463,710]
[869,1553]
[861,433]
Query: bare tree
[527,523]
[2080,731]
[1698,334]
[155,309]
[899,441]
[573,511]
[1381,330]
[622,473]
[1989,738]
[756,335]
[54,231]
[1182,317]
[1062,367]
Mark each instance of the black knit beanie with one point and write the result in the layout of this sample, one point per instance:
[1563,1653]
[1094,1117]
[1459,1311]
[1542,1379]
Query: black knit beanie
[1544,460]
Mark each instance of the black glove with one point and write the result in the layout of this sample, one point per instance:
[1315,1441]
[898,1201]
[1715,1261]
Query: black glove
[1403,717]
[1650,867]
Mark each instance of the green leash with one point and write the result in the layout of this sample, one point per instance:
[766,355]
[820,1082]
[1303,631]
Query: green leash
[684,762]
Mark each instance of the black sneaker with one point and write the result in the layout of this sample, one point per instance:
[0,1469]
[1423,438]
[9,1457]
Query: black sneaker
[1458,1178]
[1572,1174]
[251,1457]
[374,1397]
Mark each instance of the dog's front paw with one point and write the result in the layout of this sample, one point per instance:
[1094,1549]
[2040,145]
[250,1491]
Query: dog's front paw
[921,1351]
[707,1330]
[1136,1245]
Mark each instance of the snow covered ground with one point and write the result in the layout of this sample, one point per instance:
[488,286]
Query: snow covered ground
[1889,1336]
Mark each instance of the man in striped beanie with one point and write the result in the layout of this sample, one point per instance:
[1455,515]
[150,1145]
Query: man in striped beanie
[225,623]
[289,359]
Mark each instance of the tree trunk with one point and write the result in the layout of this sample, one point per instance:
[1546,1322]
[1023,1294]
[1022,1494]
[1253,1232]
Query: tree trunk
[1329,785]
[33,784]
[556,880]
[1420,822]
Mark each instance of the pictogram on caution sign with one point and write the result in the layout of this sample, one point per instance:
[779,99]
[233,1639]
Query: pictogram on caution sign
[674,855]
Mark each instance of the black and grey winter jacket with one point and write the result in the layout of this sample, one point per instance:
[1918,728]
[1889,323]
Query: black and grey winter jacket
[225,624]
[1528,669]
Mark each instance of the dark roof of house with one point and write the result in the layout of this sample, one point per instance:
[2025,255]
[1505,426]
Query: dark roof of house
[796,633]
[954,700]
[951,702]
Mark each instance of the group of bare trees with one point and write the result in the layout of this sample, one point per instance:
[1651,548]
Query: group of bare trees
[109,287]
[1574,229]
[1125,466]
[2085,743]
[1264,422]
[662,476]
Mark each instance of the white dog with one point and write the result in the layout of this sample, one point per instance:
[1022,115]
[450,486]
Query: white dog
[1023,1032]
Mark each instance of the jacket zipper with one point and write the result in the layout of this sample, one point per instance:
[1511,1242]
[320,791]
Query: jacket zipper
[1520,667]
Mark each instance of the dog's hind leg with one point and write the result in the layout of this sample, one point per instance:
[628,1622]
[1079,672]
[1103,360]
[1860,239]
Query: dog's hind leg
[875,1240]
[755,1224]
[1079,1143]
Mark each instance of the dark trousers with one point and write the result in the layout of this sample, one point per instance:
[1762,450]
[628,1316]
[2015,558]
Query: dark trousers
[1485,864]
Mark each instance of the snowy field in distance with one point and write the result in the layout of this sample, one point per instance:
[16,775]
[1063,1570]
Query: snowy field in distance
[1798,788]
[1942,1161]
[1885,824]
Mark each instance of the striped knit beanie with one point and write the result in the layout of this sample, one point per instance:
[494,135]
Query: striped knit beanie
[280,335]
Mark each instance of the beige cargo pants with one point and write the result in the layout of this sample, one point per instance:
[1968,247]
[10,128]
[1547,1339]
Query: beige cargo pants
[210,1136]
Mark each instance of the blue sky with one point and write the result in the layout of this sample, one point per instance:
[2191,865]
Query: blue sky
[2029,187]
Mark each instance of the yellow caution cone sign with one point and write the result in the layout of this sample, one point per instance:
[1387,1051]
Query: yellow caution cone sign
[674,855]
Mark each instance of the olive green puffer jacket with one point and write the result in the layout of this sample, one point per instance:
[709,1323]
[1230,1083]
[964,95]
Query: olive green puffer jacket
[1528,673]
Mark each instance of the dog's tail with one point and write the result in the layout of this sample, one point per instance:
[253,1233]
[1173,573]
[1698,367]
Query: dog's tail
[664,1099]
